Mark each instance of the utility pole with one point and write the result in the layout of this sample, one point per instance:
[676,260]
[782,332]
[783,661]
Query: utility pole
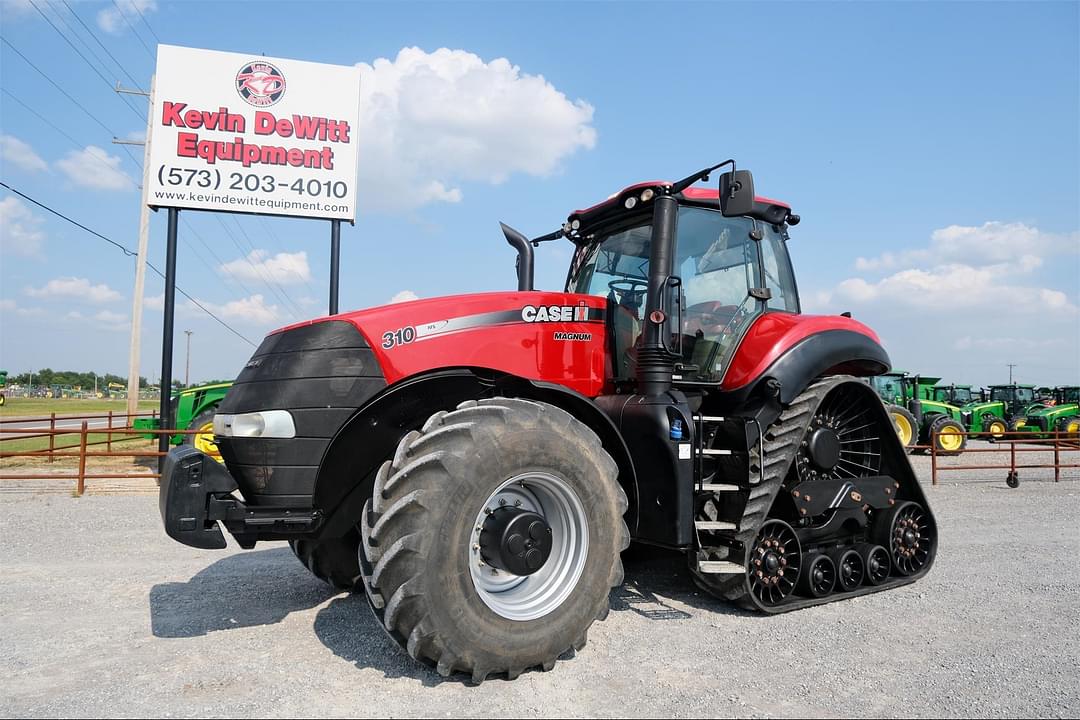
[187,363]
[1011,366]
[140,260]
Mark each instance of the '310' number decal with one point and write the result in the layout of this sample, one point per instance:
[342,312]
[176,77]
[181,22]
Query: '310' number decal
[404,336]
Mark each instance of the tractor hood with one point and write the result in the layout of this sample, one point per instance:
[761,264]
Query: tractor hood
[1054,411]
[547,336]
[979,407]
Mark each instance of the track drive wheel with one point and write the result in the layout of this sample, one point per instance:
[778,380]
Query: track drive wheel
[906,426]
[773,568]
[909,534]
[948,436]
[492,538]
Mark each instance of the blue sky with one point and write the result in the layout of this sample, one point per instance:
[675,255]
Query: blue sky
[931,149]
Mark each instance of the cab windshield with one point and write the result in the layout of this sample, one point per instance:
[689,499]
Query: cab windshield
[1011,394]
[718,262]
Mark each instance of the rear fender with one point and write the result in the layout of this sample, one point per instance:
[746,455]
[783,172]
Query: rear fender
[346,475]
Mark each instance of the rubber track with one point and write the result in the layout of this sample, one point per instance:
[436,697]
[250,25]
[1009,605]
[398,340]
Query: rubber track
[781,442]
[420,449]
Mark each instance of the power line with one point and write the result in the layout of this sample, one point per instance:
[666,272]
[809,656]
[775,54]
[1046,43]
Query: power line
[254,268]
[296,308]
[135,6]
[133,30]
[129,253]
[83,57]
[65,94]
[92,34]
[269,231]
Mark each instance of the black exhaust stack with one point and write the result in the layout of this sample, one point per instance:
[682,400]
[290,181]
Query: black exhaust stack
[525,256]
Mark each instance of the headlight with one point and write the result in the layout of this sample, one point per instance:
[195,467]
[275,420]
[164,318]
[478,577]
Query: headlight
[262,424]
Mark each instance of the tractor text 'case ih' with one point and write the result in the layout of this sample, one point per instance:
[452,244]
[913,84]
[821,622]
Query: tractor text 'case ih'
[476,464]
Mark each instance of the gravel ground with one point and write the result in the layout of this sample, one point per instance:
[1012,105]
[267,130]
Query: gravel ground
[101,614]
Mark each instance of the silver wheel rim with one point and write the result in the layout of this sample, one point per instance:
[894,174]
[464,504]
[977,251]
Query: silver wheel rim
[528,597]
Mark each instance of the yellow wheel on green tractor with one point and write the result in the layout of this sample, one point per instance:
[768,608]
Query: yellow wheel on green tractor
[948,436]
[996,428]
[951,440]
[204,441]
[2,401]
[1069,426]
[903,429]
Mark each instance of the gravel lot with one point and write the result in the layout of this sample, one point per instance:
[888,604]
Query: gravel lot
[101,614]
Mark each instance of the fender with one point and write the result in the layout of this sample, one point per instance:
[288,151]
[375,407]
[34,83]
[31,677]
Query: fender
[346,474]
[832,352]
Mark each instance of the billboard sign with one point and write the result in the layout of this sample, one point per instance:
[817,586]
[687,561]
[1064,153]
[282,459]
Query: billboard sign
[253,134]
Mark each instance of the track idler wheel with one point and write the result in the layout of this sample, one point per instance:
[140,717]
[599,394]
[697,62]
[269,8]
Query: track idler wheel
[876,563]
[775,557]
[850,568]
[908,533]
[818,576]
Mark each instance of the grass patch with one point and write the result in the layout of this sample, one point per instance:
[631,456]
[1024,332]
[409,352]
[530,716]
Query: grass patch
[70,406]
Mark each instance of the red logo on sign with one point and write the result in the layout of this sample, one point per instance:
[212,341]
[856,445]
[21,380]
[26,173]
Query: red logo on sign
[260,84]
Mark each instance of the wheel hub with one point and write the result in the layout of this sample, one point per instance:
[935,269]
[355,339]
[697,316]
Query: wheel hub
[823,446]
[517,541]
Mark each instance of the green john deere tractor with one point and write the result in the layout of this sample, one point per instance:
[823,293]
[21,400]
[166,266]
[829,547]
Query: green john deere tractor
[194,408]
[917,414]
[1062,416]
[1008,405]
[938,421]
[3,384]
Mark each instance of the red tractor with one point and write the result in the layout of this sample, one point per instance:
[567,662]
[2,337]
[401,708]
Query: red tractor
[477,463]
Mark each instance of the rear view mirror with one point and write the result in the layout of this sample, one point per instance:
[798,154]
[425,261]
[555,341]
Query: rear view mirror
[736,193]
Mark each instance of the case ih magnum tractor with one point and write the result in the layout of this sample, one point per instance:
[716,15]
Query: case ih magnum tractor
[477,463]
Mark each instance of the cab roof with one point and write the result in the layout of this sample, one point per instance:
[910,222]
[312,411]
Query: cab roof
[765,209]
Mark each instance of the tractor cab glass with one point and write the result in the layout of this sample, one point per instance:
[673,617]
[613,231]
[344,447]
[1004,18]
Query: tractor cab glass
[1009,394]
[1067,395]
[887,387]
[718,263]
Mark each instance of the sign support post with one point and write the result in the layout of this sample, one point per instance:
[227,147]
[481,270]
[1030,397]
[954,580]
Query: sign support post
[165,405]
[335,263]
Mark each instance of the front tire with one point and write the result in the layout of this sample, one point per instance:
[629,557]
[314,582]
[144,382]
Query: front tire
[947,436]
[1068,427]
[425,534]
[203,439]
[907,429]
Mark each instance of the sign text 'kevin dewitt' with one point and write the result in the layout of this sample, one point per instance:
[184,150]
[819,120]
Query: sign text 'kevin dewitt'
[304,127]
[236,133]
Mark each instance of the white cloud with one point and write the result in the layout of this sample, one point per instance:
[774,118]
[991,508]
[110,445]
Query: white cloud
[112,19]
[94,168]
[283,268]
[404,296]
[154,302]
[253,310]
[991,243]
[7,304]
[15,151]
[108,320]
[73,287]
[20,229]
[430,121]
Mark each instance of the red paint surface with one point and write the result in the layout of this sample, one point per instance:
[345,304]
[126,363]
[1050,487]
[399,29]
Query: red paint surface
[525,349]
[773,334]
[700,194]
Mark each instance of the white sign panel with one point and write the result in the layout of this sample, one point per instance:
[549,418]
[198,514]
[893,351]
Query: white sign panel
[247,133]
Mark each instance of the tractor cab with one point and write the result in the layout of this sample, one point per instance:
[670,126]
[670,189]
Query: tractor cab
[954,394]
[1017,398]
[684,270]
[889,387]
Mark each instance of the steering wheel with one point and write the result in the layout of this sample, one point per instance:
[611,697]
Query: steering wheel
[630,289]
[712,318]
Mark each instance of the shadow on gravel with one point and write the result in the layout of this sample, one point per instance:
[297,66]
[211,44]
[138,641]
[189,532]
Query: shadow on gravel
[253,588]
[654,578]
[349,629]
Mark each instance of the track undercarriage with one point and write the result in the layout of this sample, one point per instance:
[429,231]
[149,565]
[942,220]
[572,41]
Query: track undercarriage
[825,505]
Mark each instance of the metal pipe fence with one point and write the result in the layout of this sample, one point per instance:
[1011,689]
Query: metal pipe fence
[81,451]
[1013,443]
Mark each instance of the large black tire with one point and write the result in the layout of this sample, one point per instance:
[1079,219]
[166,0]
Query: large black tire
[418,534]
[907,428]
[995,426]
[947,435]
[334,561]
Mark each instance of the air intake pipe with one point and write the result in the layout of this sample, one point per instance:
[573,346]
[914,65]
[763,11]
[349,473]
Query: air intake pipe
[655,363]
[525,256]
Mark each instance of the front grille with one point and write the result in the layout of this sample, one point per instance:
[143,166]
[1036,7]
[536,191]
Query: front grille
[1037,421]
